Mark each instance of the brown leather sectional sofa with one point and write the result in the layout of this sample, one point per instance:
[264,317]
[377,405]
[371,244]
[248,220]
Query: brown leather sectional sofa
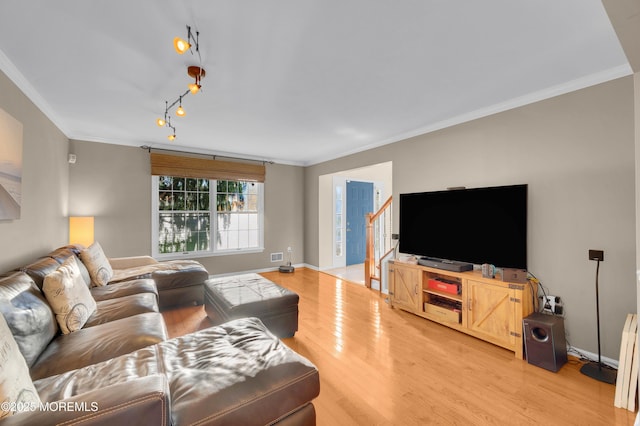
[121,369]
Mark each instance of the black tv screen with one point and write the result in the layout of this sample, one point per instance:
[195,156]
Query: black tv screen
[482,225]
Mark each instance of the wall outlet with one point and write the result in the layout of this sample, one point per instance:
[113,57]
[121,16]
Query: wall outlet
[551,305]
[548,302]
[289,249]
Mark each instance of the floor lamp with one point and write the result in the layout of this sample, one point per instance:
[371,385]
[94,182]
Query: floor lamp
[597,370]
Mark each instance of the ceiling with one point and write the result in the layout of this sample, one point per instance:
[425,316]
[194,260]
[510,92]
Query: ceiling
[298,81]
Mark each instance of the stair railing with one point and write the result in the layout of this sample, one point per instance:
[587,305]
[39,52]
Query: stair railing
[378,243]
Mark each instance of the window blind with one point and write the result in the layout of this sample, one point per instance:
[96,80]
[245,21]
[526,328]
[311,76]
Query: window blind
[175,165]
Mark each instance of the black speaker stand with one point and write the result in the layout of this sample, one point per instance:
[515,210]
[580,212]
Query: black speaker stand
[597,370]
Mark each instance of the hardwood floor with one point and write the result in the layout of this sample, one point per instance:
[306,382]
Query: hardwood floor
[383,366]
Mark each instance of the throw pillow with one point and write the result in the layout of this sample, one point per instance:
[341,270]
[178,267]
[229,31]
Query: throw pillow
[69,296]
[16,388]
[97,263]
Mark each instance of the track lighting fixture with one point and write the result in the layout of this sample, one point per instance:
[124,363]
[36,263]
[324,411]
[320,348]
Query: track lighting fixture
[195,72]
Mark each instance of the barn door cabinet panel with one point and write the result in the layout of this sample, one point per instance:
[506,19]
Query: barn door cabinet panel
[404,283]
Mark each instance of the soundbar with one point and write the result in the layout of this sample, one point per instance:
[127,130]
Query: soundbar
[448,265]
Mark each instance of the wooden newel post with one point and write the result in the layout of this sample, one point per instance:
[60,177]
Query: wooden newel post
[368,259]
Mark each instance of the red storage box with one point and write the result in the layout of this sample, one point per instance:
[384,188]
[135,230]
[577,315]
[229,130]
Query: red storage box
[452,288]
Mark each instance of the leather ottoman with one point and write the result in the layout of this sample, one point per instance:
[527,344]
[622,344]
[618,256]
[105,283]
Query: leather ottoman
[251,295]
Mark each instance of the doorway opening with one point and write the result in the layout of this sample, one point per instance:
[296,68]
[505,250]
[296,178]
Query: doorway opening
[338,239]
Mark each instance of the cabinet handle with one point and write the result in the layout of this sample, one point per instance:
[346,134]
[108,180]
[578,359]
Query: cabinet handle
[415,289]
[469,304]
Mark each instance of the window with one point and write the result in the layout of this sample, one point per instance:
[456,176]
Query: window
[205,217]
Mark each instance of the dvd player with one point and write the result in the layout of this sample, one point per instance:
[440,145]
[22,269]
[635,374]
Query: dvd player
[448,265]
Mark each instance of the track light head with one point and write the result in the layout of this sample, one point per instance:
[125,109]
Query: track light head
[172,136]
[181,45]
[197,73]
[194,88]
[160,122]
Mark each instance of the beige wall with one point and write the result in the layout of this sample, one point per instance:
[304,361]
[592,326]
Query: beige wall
[43,223]
[576,153]
[113,183]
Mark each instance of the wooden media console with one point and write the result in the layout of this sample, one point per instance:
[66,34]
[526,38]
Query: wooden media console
[487,308]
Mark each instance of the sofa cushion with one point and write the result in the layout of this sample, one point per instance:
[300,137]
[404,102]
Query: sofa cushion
[40,269]
[97,264]
[69,296]
[28,315]
[95,344]
[131,261]
[167,274]
[144,401]
[133,273]
[123,307]
[179,273]
[235,373]
[124,288]
[16,386]
[63,253]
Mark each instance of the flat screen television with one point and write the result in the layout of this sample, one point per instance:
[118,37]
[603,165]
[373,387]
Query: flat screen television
[481,225]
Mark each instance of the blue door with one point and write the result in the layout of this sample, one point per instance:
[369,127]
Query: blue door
[359,203]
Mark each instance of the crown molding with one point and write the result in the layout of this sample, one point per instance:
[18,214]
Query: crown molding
[30,92]
[550,92]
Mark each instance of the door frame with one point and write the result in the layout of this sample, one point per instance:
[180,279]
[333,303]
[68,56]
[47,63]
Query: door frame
[340,260]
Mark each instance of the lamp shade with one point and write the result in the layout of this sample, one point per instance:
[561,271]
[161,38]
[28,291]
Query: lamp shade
[81,230]
[194,88]
[181,45]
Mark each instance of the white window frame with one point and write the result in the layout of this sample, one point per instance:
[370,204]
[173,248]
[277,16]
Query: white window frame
[213,251]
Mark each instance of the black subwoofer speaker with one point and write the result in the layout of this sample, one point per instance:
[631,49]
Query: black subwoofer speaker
[544,341]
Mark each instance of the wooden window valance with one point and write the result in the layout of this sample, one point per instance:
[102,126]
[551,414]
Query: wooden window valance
[174,165]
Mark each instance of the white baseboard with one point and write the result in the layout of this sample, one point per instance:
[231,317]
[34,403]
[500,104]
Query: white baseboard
[257,271]
[594,357]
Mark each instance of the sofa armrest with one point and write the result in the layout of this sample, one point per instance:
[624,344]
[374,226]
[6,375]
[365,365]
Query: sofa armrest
[143,401]
[131,262]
